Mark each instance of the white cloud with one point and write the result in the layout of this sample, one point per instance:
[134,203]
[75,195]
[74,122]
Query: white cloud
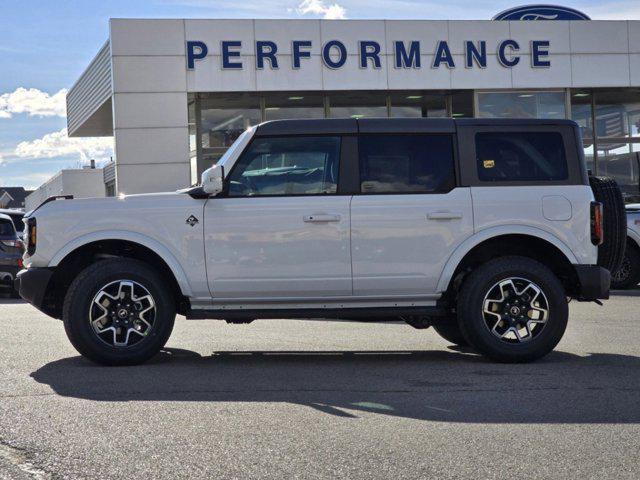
[319,7]
[59,144]
[30,181]
[33,102]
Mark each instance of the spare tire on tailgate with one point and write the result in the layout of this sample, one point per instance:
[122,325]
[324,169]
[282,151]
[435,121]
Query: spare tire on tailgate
[614,217]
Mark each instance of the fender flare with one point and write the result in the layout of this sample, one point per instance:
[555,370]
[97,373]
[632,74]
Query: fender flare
[466,246]
[133,237]
[633,236]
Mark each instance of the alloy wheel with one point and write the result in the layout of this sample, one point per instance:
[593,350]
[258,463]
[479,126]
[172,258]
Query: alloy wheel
[515,310]
[122,313]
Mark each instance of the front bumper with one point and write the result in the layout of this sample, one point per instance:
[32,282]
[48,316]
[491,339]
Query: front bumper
[31,284]
[594,282]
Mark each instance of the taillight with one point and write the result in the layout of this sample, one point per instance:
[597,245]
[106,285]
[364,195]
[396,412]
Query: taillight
[20,264]
[597,232]
[13,243]
[32,236]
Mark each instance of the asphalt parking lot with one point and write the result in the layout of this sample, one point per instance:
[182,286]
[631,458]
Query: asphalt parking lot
[309,399]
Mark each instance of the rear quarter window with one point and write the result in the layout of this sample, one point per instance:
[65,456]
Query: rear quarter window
[520,156]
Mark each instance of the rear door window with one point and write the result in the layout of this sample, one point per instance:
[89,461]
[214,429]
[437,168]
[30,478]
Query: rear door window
[418,163]
[520,156]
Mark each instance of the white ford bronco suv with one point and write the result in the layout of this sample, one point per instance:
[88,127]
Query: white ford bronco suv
[483,229]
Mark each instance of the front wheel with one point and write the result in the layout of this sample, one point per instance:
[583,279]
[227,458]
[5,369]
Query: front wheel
[118,312]
[512,309]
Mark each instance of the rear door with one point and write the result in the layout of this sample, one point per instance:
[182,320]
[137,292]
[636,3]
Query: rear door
[409,215]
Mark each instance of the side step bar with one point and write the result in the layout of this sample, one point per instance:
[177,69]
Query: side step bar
[365,313]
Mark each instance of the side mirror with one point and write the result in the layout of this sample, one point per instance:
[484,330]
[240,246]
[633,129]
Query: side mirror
[213,180]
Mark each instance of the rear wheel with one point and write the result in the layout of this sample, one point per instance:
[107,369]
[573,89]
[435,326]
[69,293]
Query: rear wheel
[512,309]
[628,275]
[118,312]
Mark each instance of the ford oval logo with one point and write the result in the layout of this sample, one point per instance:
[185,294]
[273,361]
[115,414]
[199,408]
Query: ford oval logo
[541,12]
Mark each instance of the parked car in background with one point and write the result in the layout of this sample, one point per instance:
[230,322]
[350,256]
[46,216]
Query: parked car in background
[628,275]
[481,228]
[11,249]
[16,216]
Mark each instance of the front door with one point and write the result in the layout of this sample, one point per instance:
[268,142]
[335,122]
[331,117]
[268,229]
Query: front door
[281,230]
[409,217]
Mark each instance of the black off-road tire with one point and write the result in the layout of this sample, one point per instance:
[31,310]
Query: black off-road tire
[611,252]
[451,332]
[79,298]
[628,275]
[472,321]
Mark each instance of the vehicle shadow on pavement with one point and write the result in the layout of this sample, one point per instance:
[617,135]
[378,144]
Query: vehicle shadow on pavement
[430,385]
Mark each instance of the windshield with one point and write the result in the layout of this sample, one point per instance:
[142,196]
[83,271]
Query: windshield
[6,229]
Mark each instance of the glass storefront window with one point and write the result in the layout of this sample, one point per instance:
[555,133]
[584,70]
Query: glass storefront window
[193,149]
[588,157]
[358,104]
[293,105]
[521,105]
[462,104]
[618,113]
[581,112]
[416,104]
[622,162]
[224,118]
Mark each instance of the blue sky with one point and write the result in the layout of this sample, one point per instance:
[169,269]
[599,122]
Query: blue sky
[45,45]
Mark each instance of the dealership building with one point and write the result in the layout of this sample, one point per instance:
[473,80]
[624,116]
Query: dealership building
[175,94]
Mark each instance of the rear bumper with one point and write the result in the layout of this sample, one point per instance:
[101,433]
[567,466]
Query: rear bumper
[594,282]
[32,284]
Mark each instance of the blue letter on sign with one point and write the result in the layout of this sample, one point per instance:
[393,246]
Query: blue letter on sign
[297,53]
[369,49]
[502,57]
[270,54]
[227,54]
[404,60]
[326,54]
[471,54]
[443,54]
[192,55]
[540,48]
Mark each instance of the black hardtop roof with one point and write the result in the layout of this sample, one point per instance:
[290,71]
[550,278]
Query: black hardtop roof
[390,125]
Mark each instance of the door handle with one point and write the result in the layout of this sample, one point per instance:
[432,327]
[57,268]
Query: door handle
[444,215]
[321,218]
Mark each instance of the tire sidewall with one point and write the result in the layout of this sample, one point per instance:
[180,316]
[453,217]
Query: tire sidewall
[78,304]
[634,274]
[471,319]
